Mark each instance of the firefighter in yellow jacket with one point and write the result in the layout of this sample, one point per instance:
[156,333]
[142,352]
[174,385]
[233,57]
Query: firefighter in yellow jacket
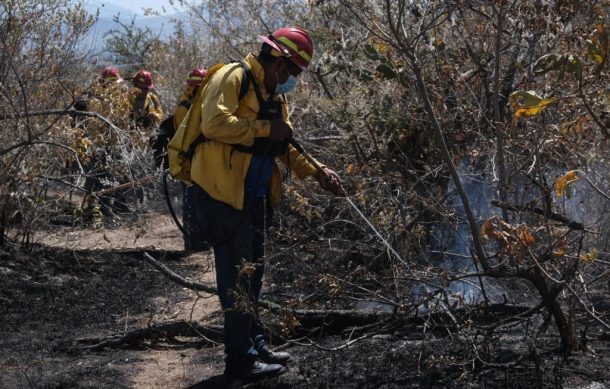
[168,127]
[159,143]
[146,109]
[234,170]
[193,81]
[108,98]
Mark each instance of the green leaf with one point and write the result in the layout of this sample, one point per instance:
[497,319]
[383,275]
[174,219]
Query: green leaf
[386,71]
[528,103]
[573,63]
[371,52]
[546,63]
[598,46]
[563,63]
[595,52]
[569,189]
[363,75]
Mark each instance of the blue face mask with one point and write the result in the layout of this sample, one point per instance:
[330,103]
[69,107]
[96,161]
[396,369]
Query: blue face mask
[286,87]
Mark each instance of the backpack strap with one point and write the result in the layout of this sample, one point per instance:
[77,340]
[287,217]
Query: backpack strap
[247,74]
[191,151]
[245,81]
[264,146]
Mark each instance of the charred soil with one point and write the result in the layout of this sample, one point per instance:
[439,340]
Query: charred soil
[54,296]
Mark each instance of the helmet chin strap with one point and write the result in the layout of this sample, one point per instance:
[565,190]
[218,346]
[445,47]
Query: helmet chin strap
[277,80]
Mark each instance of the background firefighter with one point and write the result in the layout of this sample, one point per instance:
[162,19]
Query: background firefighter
[146,111]
[100,145]
[192,240]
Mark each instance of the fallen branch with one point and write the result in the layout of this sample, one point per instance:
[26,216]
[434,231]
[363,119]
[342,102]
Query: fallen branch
[335,321]
[166,255]
[553,215]
[127,185]
[167,330]
[308,318]
[344,345]
[198,286]
[193,285]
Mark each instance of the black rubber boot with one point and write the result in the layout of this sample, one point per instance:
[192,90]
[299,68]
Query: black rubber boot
[268,356]
[254,372]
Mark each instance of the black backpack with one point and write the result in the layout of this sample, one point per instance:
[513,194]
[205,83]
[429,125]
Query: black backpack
[158,142]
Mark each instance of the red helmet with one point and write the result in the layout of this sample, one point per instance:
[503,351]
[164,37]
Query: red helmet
[110,74]
[143,79]
[292,42]
[196,76]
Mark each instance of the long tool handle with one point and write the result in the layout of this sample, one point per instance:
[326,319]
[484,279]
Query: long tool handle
[315,163]
[131,184]
[301,150]
[304,153]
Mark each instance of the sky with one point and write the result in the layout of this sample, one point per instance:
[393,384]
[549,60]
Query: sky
[137,6]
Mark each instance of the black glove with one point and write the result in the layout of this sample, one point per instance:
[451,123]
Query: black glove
[81,105]
[144,121]
[158,143]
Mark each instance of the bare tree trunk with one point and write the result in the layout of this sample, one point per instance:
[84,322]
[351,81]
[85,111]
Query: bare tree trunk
[503,184]
[440,140]
[409,54]
[549,298]
[3,222]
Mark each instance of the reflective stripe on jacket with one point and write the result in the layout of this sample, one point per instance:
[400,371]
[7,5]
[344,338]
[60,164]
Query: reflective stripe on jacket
[217,166]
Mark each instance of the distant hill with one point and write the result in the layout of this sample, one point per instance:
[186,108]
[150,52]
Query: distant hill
[106,12]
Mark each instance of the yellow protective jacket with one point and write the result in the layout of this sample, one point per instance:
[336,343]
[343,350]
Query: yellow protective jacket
[151,106]
[185,100]
[217,166]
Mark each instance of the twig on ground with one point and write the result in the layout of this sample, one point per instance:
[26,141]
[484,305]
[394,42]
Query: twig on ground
[194,285]
[348,343]
[163,330]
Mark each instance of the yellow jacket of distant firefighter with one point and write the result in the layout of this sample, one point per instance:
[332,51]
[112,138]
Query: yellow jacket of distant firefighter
[150,105]
[186,97]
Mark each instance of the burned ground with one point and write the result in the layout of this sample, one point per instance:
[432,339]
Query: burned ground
[53,298]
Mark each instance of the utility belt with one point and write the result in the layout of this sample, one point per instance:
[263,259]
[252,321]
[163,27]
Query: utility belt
[265,147]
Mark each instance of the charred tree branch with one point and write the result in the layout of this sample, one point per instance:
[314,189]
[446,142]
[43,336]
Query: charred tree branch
[50,112]
[553,215]
[198,286]
[167,330]
[193,285]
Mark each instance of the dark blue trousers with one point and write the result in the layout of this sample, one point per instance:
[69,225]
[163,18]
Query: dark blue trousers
[196,238]
[237,237]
